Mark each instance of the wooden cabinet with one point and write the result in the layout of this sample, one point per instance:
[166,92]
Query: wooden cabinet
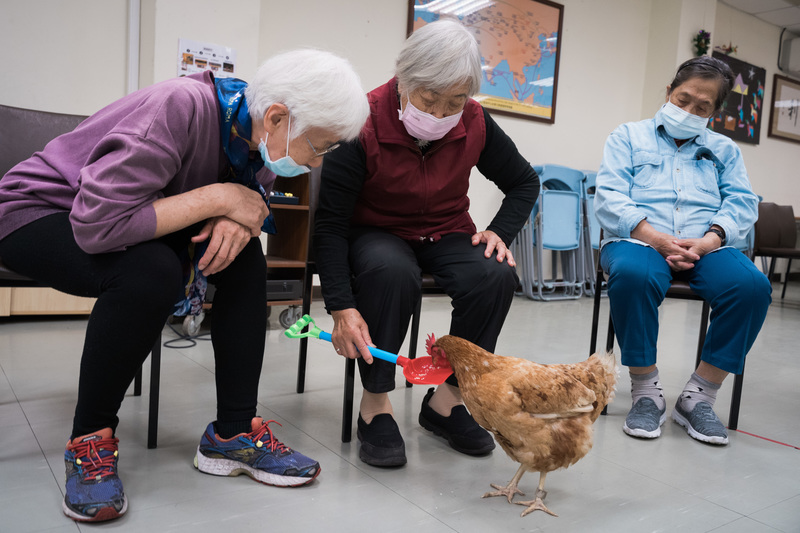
[42,301]
[288,251]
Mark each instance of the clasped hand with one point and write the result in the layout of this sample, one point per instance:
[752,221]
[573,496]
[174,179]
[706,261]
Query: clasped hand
[682,254]
[226,239]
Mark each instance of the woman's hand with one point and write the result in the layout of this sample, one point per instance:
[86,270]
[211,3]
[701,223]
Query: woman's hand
[227,240]
[245,206]
[350,335]
[693,248]
[493,242]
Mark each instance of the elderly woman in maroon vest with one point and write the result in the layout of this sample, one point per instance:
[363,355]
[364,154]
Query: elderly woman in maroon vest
[394,204]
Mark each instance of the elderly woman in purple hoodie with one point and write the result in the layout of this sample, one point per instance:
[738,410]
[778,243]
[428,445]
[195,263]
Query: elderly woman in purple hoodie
[112,210]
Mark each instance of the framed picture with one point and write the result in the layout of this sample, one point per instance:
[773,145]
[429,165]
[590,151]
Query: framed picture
[784,122]
[520,48]
[740,116]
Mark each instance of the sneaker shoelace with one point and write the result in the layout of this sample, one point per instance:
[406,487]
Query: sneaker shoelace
[272,443]
[93,465]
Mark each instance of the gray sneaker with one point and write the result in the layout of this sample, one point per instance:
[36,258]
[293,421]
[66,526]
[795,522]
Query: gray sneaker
[645,419]
[702,423]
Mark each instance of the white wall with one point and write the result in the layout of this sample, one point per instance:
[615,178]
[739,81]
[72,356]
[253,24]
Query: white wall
[773,164]
[69,57]
[617,57]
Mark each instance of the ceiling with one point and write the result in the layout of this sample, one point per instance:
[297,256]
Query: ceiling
[781,13]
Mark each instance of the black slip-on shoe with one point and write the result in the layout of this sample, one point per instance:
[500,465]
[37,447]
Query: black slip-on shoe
[381,442]
[463,434]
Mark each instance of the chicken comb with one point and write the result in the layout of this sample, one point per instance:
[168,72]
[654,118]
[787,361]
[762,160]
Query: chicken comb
[429,344]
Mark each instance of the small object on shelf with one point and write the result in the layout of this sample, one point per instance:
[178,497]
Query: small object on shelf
[277,197]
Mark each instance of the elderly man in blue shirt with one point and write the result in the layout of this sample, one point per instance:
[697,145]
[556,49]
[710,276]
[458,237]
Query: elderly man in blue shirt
[673,198]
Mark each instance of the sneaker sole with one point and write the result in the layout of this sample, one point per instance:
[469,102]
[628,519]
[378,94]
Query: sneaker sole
[441,433]
[681,420]
[231,468]
[106,513]
[644,434]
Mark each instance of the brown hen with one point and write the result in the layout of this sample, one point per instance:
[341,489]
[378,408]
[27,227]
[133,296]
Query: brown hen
[541,415]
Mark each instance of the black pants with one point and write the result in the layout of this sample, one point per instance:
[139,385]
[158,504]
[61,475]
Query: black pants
[388,279]
[136,291]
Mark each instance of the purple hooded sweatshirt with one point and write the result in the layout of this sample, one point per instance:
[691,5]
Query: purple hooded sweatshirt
[160,141]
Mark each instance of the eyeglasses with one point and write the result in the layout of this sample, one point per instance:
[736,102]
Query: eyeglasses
[330,148]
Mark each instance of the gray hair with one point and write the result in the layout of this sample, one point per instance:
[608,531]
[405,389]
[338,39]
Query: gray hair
[320,89]
[438,56]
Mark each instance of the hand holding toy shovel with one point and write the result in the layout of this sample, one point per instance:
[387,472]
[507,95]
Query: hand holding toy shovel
[420,371]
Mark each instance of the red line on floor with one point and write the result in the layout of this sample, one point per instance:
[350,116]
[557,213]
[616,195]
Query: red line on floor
[770,440]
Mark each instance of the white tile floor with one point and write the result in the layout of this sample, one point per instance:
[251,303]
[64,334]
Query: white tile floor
[624,484]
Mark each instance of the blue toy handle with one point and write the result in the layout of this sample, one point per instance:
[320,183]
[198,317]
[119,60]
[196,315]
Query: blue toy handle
[380,354]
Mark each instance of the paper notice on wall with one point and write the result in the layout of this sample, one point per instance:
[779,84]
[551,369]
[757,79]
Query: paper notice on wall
[195,56]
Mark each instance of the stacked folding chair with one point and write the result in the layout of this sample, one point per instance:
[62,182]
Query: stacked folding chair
[555,224]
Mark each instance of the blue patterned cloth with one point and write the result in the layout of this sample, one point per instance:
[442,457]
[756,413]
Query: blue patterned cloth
[236,128]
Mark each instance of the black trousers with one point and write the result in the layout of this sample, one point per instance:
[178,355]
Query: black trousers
[136,291]
[387,282]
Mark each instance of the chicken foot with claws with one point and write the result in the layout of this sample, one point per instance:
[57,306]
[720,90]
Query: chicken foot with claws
[509,490]
[538,503]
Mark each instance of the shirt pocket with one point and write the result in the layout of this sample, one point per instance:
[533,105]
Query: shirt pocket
[646,168]
[704,177]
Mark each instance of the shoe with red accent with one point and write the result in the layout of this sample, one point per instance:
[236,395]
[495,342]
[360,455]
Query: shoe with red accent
[257,454]
[93,490]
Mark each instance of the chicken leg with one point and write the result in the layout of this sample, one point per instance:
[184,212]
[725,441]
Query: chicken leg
[537,504]
[509,490]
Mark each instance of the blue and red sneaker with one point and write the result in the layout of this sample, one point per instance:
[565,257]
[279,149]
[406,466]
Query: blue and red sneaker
[257,454]
[94,491]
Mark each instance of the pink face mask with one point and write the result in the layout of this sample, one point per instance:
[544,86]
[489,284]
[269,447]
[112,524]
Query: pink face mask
[424,126]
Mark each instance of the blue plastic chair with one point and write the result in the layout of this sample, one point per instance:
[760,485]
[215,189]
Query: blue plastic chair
[555,224]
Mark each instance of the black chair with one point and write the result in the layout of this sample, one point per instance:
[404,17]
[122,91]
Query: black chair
[776,237]
[25,131]
[678,290]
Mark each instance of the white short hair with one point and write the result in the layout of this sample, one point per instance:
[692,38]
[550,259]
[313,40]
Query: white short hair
[320,89]
[438,56]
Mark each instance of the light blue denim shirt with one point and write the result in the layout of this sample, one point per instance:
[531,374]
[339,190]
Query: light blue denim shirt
[680,191]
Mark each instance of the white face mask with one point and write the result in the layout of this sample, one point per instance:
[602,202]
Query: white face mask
[285,166]
[424,126]
[681,124]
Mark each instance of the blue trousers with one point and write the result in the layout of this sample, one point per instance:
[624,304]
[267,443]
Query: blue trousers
[737,292]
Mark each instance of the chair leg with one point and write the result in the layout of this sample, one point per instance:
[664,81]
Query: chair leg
[736,399]
[155,379]
[596,314]
[786,277]
[303,354]
[701,339]
[412,342]
[137,383]
[347,404]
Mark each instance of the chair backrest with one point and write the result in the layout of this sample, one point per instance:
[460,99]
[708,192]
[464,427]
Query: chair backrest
[572,178]
[560,220]
[26,131]
[776,227]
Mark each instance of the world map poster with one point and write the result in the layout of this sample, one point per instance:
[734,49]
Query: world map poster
[520,50]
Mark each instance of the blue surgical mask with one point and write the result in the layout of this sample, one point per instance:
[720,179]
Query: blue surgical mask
[681,124]
[285,166]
